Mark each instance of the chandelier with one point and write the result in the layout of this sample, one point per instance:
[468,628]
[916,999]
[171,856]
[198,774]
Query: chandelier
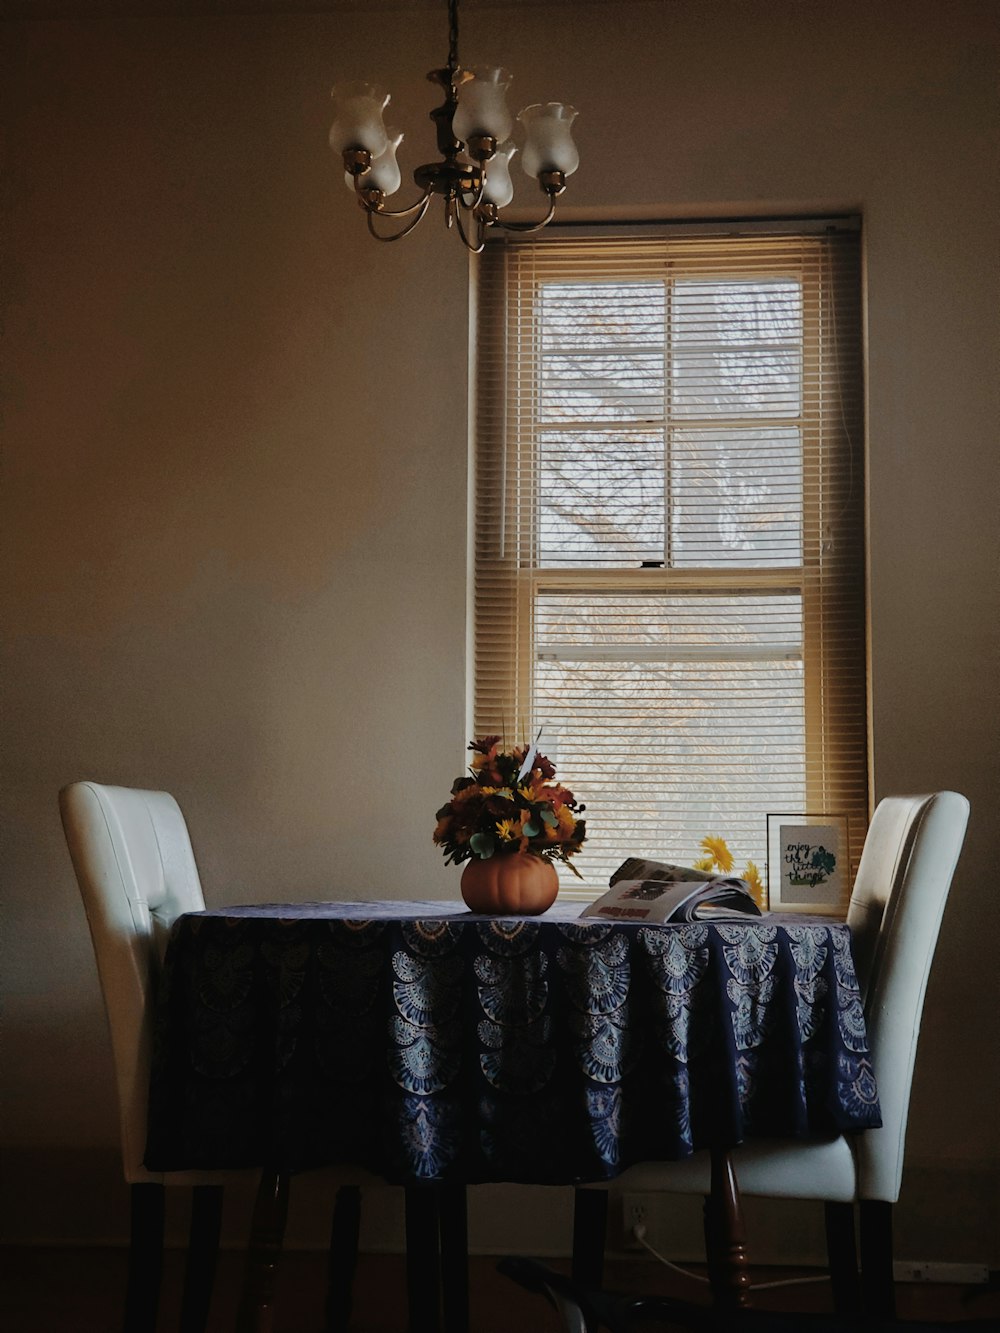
[473,137]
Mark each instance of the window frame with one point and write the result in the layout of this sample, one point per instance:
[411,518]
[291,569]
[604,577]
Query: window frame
[508,571]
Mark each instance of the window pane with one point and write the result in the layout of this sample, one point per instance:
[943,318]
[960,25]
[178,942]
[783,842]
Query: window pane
[601,352]
[737,497]
[736,348]
[673,717]
[757,382]
[601,497]
[619,315]
[733,313]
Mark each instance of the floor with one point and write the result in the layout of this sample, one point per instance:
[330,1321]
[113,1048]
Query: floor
[79,1291]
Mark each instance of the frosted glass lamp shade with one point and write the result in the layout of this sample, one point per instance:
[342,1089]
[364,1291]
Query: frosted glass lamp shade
[358,120]
[549,143]
[383,174]
[499,188]
[482,106]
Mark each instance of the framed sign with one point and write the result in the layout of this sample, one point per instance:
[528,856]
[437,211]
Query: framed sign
[808,860]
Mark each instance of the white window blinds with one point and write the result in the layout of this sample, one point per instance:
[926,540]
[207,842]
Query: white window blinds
[669,531]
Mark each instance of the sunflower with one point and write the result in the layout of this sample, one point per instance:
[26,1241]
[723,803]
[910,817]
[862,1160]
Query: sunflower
[752,876]
[718,851]
[508,830]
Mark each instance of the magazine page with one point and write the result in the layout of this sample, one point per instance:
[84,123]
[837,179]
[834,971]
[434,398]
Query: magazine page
[717,897]
[638,867]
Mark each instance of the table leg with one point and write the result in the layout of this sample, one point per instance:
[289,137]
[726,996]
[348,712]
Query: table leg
[343,1259]
[455,1258]
[267,1234]
[725,1236]
[423,1258]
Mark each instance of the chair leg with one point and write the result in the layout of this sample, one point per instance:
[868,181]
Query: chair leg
[423,1258]
[842,1258]
[877,1287]
[145,1258]
[267,1234]
[725,1236]
[455,1258]
[590,1225]
[202,1257]
[343,1259]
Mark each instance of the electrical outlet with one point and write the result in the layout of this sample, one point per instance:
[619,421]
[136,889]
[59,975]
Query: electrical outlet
[917,1270]
[635,1213]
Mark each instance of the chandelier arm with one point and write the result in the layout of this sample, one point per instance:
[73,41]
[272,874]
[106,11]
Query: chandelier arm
[361,191]
[405,231]
[526,227]
[480,242]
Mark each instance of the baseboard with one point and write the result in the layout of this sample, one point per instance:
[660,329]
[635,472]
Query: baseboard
[947,1213]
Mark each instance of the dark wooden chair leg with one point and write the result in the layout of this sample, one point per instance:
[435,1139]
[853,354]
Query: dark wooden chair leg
[202,1257]
[423,1258]
[145,1258]
[343,1258]
[455,1258]
[713,1245]
[725,1233]
[842,1257]
[267,1234]
[590,1225]
[878,1291]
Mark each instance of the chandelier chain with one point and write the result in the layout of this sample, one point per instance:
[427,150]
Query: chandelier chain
[453,34]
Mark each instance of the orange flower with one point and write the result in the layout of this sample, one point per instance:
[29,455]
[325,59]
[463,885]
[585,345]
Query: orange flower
[441,830]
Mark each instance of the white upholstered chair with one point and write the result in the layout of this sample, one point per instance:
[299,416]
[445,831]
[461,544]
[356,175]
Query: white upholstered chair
[136,870]
[903,879]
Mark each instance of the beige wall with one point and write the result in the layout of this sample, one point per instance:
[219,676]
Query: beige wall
[236,454]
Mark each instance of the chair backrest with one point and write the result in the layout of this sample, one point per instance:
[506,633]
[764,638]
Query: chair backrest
[137,874]
[902,885]
[884,858]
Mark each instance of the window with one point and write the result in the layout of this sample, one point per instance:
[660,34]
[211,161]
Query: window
[669,530]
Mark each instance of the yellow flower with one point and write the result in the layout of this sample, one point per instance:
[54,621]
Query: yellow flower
[704,863]
[508,830]
[752,876]
[716,848]
[565,824]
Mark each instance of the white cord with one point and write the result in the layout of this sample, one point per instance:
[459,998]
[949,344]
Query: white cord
[790,1282]
[639,1234]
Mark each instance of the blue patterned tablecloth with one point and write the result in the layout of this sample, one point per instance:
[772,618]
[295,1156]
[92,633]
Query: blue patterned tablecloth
[428,1043]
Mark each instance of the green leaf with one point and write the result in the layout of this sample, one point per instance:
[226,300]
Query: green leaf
[549,818]
[531,829]
[483,844]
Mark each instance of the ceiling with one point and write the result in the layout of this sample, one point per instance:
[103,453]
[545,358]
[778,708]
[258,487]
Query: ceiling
[49,9]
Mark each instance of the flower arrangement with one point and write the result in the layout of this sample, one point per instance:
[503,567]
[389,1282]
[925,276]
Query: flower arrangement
[719,857]
[511,803]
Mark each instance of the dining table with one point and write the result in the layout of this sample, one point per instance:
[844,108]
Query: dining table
[440,1048]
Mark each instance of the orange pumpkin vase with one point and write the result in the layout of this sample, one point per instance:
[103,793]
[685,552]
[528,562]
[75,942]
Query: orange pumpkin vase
[511,884]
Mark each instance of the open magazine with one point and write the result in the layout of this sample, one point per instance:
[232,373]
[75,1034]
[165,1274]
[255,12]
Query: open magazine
[657,891]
